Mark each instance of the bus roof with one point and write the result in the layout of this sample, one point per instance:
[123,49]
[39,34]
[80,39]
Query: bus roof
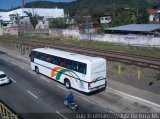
[67,55]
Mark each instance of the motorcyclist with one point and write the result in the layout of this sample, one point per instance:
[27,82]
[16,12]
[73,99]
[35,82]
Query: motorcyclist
[69,98]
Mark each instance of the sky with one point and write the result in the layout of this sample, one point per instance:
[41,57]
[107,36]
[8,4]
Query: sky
[7,4]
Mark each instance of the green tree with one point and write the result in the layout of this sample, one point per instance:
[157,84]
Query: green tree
[33,18]
[133,19]
[57,23]
[124,16]
[96,13]
[142,16]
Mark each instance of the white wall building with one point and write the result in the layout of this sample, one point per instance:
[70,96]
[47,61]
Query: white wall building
[42,24]
[42,12]
[9,18]
[153,14]
[105,19]
[145,35]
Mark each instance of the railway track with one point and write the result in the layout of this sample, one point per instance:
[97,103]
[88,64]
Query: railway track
[131,59]
[102,51]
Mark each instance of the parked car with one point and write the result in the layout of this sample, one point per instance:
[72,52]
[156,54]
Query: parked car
[3,78]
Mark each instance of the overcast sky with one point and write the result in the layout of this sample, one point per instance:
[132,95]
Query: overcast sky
[7,4]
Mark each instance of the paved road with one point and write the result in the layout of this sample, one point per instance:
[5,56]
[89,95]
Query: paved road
[29,94]
[47,95]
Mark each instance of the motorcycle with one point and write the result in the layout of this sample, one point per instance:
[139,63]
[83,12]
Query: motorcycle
[73,106]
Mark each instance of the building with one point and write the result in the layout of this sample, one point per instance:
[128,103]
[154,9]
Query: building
[135,34]
[42,12]
[15,20]
[10,18]
[43,24]
[136,29]
[105,19]
[154,15]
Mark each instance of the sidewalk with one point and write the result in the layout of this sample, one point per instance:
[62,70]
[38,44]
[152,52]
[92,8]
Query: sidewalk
[113,86]
[16,53]
[135,93]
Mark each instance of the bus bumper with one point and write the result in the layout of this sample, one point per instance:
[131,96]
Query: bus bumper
[97,88]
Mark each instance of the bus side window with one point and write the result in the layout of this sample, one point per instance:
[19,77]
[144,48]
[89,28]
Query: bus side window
[64,63]
[42,56]
[67,62]
[82,68]
[73,65]
[48,58]
[52,59]
[70,65]
[56,60]
[59,61]
[37,55]
[77,66]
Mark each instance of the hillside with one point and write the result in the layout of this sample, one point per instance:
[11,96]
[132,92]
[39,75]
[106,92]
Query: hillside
[46,4]
[80,4]
[92,4]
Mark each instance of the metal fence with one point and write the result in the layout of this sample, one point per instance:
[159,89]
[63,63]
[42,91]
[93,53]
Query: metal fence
[6,113]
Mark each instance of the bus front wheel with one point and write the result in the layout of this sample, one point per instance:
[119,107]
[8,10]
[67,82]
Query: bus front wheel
[67,84]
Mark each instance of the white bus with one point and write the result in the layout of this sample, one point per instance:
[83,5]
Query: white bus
[84,73]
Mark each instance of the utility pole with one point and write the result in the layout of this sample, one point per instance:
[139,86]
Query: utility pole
[22,3]
[19,34]
[19,29]
[114,8]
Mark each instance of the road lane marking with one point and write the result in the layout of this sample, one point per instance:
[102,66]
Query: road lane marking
[31,72]
[61,115]
[45,79]
[111,112]
[6,60]
[86,99]
[134,97]
[4,51]
[62,87]
[14,63]
[32,94]
[12,80]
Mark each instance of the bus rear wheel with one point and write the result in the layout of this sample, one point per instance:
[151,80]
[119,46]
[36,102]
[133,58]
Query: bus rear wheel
[67,84]
[37,70]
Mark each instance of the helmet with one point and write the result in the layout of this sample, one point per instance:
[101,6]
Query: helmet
[70,93]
